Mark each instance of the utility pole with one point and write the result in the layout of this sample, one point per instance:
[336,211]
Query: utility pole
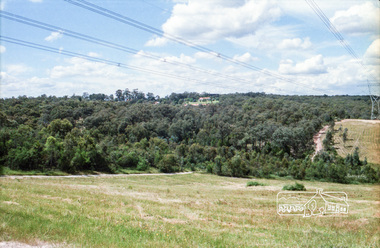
[374,101]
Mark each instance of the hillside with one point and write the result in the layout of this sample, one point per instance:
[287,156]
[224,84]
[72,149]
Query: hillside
[193,210]
[242,135]
[364,134]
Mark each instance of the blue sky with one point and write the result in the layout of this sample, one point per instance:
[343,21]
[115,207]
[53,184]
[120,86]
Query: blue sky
[292,50]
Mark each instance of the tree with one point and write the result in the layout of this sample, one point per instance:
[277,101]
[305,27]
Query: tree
[52,149]
[344,136]
[127,94]
[59,127]
[168,164]
[328,141]
[151,97]
[119,95]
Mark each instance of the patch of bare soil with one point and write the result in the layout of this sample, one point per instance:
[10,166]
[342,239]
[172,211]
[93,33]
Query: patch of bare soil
[318,141]
[14,244]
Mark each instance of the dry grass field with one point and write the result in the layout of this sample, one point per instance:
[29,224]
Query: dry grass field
[192,210]
[364,134]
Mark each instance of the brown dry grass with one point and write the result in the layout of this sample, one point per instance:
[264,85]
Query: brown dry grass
[364,134]
[193,210]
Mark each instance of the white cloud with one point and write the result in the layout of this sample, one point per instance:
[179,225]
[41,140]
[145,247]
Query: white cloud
[204,22]
[82,68]
[372,55]
[295,44]
[54,36]
[2,49]
[159,41]
[93,54]
[314,65]
[204,55]
[246,58]
[17,69]
[142,58]
[182,59]
[358,20]
[36,1]
[267,38]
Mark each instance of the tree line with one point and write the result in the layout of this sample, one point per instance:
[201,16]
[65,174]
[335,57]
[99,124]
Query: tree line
[250,134]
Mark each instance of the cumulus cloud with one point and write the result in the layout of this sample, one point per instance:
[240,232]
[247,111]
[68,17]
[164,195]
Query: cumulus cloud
[94,54]
[2,49]
[158,41]
[17,69]
[182,59]
[372,55]
[246,58]
[268,38]
[204,55]
[142,59]
[358,20]
[204,22]
[81,68]
[54,36]
[294,44]
[313,65]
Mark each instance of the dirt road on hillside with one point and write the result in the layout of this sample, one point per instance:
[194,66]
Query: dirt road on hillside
[318,141]
[317,137]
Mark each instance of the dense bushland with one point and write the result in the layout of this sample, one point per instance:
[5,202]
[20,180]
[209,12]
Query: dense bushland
[251,134]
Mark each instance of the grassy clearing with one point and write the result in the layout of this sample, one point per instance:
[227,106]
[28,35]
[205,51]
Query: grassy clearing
[193,210]
[365,135]
[7,171]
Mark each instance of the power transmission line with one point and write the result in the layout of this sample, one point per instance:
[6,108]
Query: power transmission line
[104,61]
[129,21]
[330,26]
[81,36]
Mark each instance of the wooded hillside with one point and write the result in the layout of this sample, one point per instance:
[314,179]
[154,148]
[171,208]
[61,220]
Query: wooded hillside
[251,134]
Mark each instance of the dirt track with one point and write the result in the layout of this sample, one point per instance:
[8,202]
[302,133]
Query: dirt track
[318,141]
[317,137]
[11,244]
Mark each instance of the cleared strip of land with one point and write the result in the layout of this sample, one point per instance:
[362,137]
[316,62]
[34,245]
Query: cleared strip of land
[364,134]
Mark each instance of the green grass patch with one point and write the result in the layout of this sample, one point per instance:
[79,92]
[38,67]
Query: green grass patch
[135,171]
[254,183]
[10,172]
[294,187]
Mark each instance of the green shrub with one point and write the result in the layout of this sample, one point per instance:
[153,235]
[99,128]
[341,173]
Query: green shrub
[209,167]
[142,165]
[294,187]
[168,164]
[251,183]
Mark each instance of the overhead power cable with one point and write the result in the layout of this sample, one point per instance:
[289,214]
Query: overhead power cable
[81,36]
[134,23]
[330,26]
[103,61]
[87,38]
